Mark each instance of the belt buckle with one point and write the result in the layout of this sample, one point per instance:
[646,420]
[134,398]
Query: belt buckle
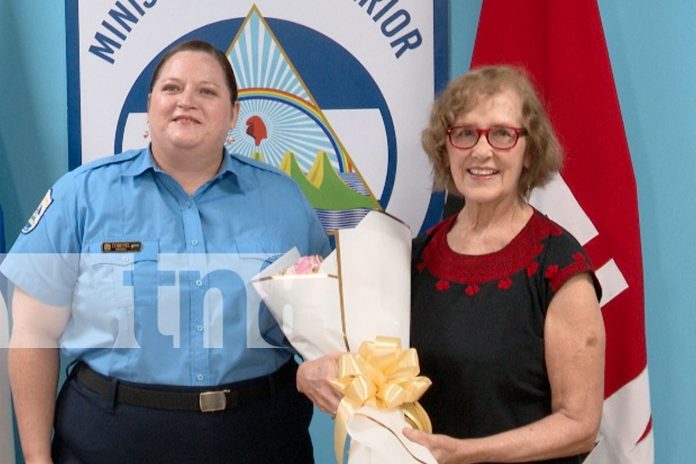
[213,401]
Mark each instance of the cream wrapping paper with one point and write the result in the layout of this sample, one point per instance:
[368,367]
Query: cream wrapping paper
[361,292]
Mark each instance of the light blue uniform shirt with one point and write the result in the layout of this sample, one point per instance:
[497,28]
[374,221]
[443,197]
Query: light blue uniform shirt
[158,280]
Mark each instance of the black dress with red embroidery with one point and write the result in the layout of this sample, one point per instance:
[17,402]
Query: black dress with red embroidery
[478,325]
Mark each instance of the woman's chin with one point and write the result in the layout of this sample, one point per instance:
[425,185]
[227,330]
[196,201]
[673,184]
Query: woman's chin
[178,143]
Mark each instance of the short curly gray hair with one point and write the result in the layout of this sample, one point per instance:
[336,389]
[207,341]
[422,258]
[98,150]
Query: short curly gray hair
[462,94]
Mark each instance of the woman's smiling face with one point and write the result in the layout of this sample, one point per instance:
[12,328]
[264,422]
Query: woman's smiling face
[483,174]
[189,109]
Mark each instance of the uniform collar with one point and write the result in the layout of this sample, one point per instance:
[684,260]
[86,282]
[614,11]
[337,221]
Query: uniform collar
[226,166]
[145,161]
[232,169]
[141,163]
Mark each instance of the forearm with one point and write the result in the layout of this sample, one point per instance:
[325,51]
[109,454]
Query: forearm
[34,378]
[555,435]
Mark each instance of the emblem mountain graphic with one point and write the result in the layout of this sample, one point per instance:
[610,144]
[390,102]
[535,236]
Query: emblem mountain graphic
[323,187]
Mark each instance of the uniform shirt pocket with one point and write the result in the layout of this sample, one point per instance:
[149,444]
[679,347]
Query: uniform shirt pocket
[108,286]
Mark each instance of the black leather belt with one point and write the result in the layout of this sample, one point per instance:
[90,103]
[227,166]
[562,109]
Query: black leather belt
[208,399]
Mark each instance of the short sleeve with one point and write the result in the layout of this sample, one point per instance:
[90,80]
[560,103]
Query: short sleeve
[564,259]
[44,259]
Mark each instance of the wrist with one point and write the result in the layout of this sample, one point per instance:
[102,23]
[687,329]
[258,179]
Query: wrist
[38,455]
[38,459]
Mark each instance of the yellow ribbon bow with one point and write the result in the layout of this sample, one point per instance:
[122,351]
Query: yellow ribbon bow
[381,375]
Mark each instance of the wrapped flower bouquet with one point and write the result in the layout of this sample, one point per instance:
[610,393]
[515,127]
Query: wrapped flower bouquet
[357,300]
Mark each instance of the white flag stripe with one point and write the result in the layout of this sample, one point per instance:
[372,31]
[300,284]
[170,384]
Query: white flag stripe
[612,281]
[645,451]
[624,419]
[628,411]
[605,453]
[557,201]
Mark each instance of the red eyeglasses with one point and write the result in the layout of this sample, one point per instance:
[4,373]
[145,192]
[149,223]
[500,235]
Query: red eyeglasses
[499,137]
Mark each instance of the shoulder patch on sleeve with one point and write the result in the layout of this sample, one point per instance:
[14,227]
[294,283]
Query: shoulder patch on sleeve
[38,214]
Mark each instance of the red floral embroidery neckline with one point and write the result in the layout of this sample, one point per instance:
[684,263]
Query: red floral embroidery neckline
[473,270]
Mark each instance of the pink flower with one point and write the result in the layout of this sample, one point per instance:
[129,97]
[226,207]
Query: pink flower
[305,265]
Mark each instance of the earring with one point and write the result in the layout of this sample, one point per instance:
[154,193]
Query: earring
[230,138]
[146,134]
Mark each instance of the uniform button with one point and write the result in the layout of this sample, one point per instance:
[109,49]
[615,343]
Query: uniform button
[194,242]
[200,377]
[187,204]
[198,283]
[199,328]
[125,259]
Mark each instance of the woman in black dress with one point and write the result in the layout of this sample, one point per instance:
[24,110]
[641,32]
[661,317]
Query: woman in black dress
[505,304]
[505,312]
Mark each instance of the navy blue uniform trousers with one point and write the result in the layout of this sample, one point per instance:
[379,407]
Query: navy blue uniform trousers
[90,428]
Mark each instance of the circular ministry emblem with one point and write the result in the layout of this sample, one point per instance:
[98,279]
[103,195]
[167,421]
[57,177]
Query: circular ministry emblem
[318,116]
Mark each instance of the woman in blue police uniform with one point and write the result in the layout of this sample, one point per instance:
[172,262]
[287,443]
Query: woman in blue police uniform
[117,267]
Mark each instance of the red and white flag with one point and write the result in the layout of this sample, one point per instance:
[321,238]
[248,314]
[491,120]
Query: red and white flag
[562,46]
